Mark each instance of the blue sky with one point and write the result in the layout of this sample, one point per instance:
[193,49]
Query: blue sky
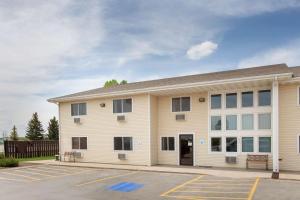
[58,47]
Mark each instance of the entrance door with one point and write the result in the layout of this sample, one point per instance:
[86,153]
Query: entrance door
[186,149]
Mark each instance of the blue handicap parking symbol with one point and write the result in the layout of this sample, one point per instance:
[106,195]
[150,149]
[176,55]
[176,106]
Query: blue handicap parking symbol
[125,187]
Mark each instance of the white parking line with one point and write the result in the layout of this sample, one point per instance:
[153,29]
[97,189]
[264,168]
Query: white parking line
[20,175]
[34,173]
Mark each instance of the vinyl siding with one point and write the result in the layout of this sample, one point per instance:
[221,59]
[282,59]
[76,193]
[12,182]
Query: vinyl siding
[289,127]
[100,127]
[153,131]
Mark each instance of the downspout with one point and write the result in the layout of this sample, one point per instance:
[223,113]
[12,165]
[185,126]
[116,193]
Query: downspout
[275,128]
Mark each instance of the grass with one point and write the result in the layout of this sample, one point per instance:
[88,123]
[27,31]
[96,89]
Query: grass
[36,158]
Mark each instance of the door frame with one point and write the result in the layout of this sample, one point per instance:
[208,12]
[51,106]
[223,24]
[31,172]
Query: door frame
[178,147]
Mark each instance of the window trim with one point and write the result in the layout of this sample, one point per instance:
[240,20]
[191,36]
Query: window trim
[122,113]
[86,109]
[122,150]
[79,143]
[174,97]
[168,150]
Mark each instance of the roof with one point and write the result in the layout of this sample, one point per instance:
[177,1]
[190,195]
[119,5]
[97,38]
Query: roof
[197,78]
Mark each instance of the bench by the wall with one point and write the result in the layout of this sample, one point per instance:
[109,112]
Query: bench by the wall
[257,159]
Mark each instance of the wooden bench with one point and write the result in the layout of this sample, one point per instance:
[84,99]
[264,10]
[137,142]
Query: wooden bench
[257,159]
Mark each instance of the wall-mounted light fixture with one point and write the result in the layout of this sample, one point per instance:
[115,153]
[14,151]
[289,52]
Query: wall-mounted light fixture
[102,105]
[201,99]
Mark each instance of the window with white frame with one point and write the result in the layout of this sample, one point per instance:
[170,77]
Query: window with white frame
[122,105]
[231,144]
[216,144]
[215,123]
[247,144]
[216,101]
[264,97]
[79,142]
[123,143]
[264,121]
[231,122]
[231,100]
[264,144]
[247,122]
[181,104]
[78,109]
[247,99]
[167,143]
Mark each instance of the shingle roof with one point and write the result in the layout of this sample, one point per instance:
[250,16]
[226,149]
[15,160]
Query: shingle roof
[197,78]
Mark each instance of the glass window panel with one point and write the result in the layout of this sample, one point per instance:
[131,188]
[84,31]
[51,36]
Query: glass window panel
[247,121]
[185,104]
[216,144]
[83,143]
[231,144]
[216,123]
[171,143]
[82,109]
[74,109]
[164,143]
[264,98]
[231,122]
[231,100]
[265,144]
[117,106]
[216,101]
[127,105]
[75,142]
[264,121]
[117,143]
[175,104]
[247,99]
[127,143]
[247,144]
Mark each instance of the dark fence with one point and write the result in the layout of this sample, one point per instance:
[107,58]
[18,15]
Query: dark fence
[28,149]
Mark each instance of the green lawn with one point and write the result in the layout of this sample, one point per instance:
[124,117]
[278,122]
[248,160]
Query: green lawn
[36,158]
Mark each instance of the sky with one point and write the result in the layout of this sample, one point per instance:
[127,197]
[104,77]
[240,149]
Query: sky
[57,47]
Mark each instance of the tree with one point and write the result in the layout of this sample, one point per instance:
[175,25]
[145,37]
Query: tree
[14,134]
[53,129]
[114,82]
[34,129]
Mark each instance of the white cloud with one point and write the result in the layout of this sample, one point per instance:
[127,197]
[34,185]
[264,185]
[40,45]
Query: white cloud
[288,54]
[202,50]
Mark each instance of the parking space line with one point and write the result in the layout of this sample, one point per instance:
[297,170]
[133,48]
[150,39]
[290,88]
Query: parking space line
[35,173]
[12,179]
[203,197]
[47,171]
[199,183]
[56,169]
[105,178]
[21,175]
[225,192]
[180,186]
[253,189]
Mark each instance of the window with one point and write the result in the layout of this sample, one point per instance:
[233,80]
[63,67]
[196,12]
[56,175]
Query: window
[247,121]
[231,122]
[122,105]
[265,144]
[216,144]
[78,109]
[247,144]
[215,102]
[264,121]
[264,98]
[168,143]
[215,123]
[123,143]
[181,104]
[231,100]
[79,142]
[231,144]
[247,99]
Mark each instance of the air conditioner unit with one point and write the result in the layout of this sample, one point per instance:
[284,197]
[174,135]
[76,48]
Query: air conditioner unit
[121,156]
[121,118]
[180,117]
[77,120]
[230,159]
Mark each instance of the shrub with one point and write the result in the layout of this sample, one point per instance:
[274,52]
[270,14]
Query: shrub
[2,155]
[9,162]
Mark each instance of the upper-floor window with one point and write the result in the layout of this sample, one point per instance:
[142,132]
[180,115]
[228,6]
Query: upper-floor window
[231,122]
[123,143]
[78,109]
[215,102]
[79,142]
[247,99]
[264,121]
[231,100]
[247,122]
[215,123]
[122,105]
[167,143]
[264,97]
[181,104]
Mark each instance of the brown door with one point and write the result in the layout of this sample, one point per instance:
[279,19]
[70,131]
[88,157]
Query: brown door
[186,144]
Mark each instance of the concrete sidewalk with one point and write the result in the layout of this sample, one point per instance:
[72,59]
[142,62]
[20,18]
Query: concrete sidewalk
[230,173]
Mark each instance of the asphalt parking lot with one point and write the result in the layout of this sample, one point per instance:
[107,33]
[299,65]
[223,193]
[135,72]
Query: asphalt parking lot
[59,182]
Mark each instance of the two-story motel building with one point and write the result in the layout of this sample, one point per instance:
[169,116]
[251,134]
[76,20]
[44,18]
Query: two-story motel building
[196,120]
